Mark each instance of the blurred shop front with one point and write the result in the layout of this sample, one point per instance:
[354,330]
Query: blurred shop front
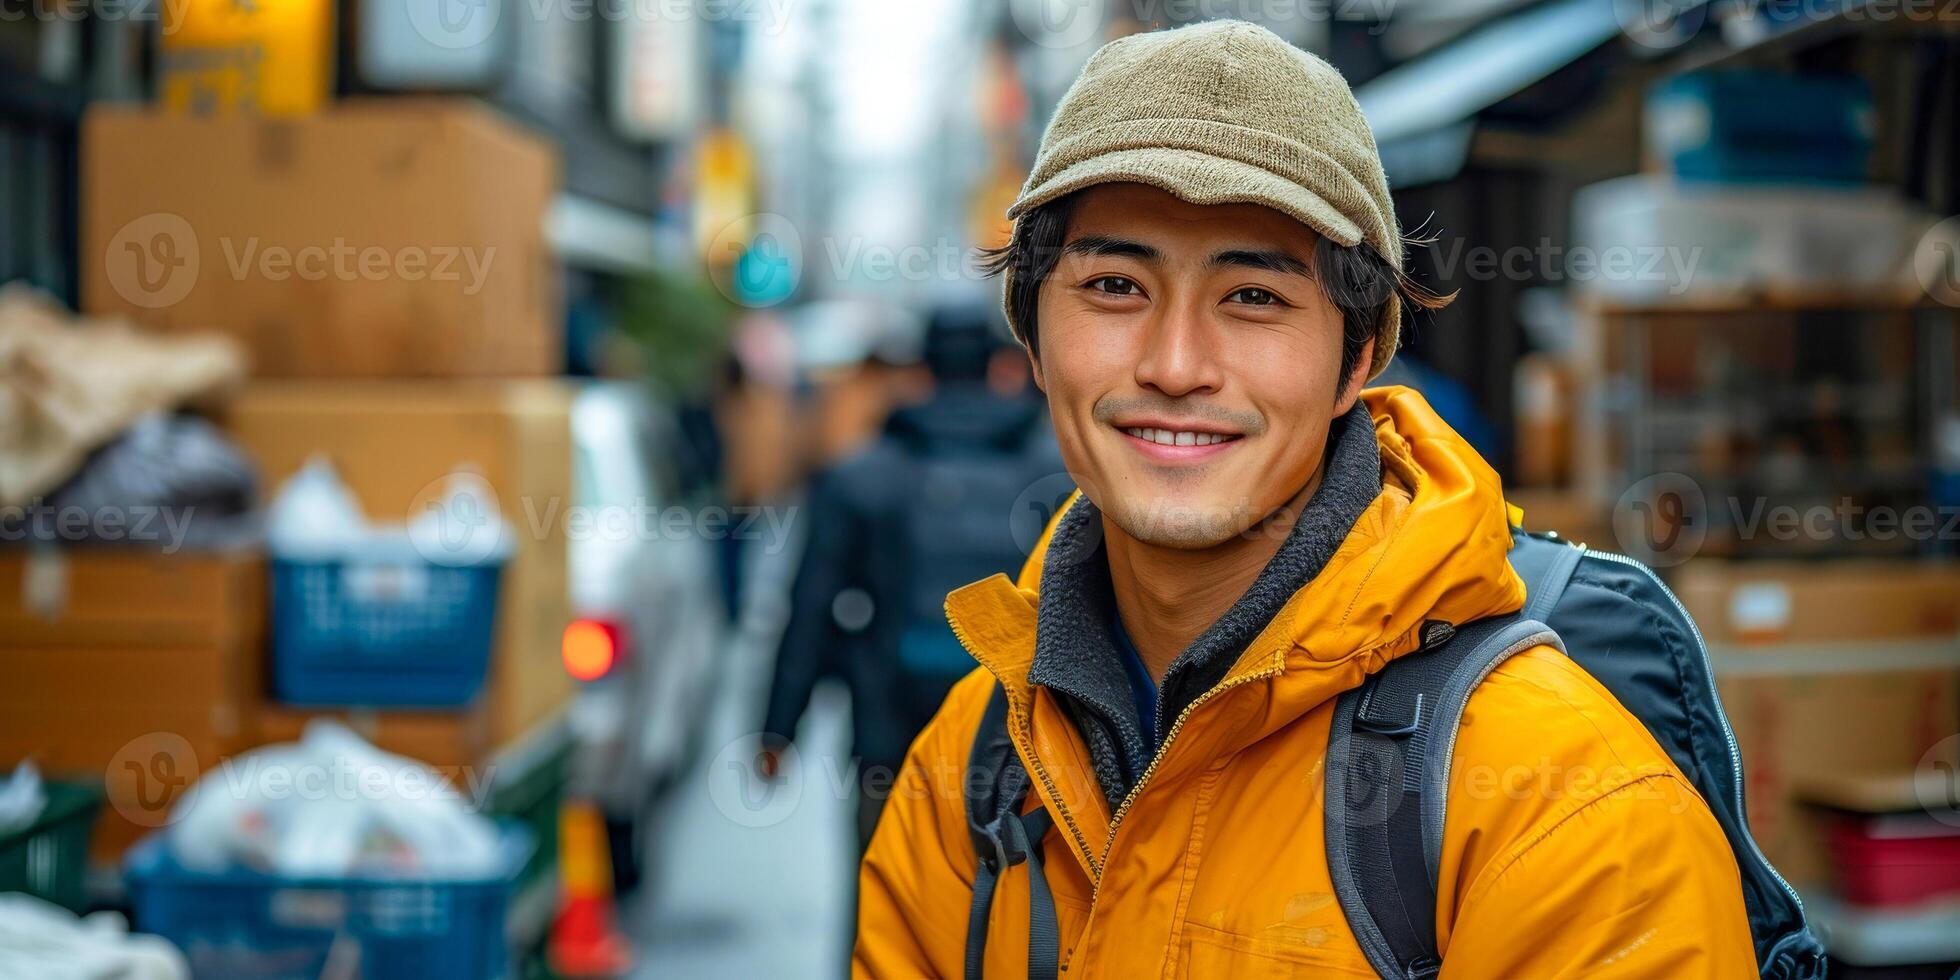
[408,413]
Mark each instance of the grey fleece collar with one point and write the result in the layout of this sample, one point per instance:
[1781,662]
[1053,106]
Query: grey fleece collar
[1076,657]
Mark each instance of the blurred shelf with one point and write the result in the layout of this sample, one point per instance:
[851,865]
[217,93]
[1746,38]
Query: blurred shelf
[1769,301]
[1762,37]
[591,234]
[1835,657]
[1885,937]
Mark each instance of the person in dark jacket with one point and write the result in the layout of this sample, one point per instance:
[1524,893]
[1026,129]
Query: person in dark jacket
[892,529]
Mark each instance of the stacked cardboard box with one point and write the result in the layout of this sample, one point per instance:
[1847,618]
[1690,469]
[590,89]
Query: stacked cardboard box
[377,239]
[1828,671]
[136,668]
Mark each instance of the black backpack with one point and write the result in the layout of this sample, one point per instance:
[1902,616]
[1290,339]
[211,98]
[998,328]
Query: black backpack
[1389,753]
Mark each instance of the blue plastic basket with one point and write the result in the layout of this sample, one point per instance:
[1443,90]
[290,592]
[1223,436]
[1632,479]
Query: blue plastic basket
[251,925]
[403,632]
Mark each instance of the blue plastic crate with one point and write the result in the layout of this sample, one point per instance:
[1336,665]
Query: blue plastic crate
[399,632]
[1762,127]
[249,925]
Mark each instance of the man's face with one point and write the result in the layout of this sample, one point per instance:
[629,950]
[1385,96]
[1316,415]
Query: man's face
[1191,363]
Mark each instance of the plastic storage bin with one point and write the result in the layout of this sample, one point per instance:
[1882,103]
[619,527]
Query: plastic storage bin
[251,925]
[1893,871]
[49,857]
[1751,126]
[399,632]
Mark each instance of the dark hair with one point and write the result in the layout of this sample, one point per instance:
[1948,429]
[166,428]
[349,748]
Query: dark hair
[1355,278]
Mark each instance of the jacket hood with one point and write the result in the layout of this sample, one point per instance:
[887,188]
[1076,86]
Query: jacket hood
[1430,546]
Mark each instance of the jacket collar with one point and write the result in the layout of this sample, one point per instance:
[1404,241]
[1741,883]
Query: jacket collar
[1075,654]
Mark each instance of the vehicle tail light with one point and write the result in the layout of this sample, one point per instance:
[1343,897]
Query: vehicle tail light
[591,648]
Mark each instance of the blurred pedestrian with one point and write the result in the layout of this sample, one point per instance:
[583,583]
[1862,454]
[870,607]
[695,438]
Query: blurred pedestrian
[892,529]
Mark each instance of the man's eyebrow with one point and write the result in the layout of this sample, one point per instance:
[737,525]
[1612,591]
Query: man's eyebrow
[1271,260]
[1104,245]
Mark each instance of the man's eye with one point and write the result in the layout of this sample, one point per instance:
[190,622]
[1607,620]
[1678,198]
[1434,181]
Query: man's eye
[1254,296]
[1114,286]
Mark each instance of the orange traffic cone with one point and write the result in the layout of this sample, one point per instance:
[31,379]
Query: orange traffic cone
[585,939]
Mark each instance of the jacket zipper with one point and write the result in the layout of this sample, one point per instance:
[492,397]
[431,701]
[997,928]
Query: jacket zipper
[1116,819]
[1068,819]
[1735,751]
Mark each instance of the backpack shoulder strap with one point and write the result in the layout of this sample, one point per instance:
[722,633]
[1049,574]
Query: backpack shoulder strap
[1002,838]
[1388,767]
[1546,563]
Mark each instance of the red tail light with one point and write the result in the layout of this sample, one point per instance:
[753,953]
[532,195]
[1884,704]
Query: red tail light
[591,647]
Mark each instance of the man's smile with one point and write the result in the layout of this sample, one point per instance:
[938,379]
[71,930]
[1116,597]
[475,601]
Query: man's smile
[1168,441]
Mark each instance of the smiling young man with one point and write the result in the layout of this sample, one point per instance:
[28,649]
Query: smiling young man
[1205,270]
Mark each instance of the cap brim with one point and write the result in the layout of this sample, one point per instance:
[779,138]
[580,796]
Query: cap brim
[1198,178]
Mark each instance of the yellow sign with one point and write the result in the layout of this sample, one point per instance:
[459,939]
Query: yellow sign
[259,56]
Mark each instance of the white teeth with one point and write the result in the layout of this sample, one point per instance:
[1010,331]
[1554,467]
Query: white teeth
[1169,437]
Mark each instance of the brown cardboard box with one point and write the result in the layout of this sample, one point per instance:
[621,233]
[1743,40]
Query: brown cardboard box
[393,443]
[1802,728]
[380,238]
[134,668]
[1819,602]
[1827,670]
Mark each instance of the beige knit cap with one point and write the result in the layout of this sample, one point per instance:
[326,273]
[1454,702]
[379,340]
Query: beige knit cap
[1224,112]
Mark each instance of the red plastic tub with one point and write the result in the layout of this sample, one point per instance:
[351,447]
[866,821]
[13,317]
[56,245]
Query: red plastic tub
[1893,871]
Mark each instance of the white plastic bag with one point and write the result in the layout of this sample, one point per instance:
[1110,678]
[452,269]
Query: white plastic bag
[331,805]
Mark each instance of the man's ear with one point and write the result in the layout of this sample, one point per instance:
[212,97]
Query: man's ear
[1034,366]
[1351,385]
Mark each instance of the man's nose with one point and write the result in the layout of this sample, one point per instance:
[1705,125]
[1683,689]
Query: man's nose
[1180,354]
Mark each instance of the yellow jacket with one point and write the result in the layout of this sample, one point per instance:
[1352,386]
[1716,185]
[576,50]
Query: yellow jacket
[1573,846]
